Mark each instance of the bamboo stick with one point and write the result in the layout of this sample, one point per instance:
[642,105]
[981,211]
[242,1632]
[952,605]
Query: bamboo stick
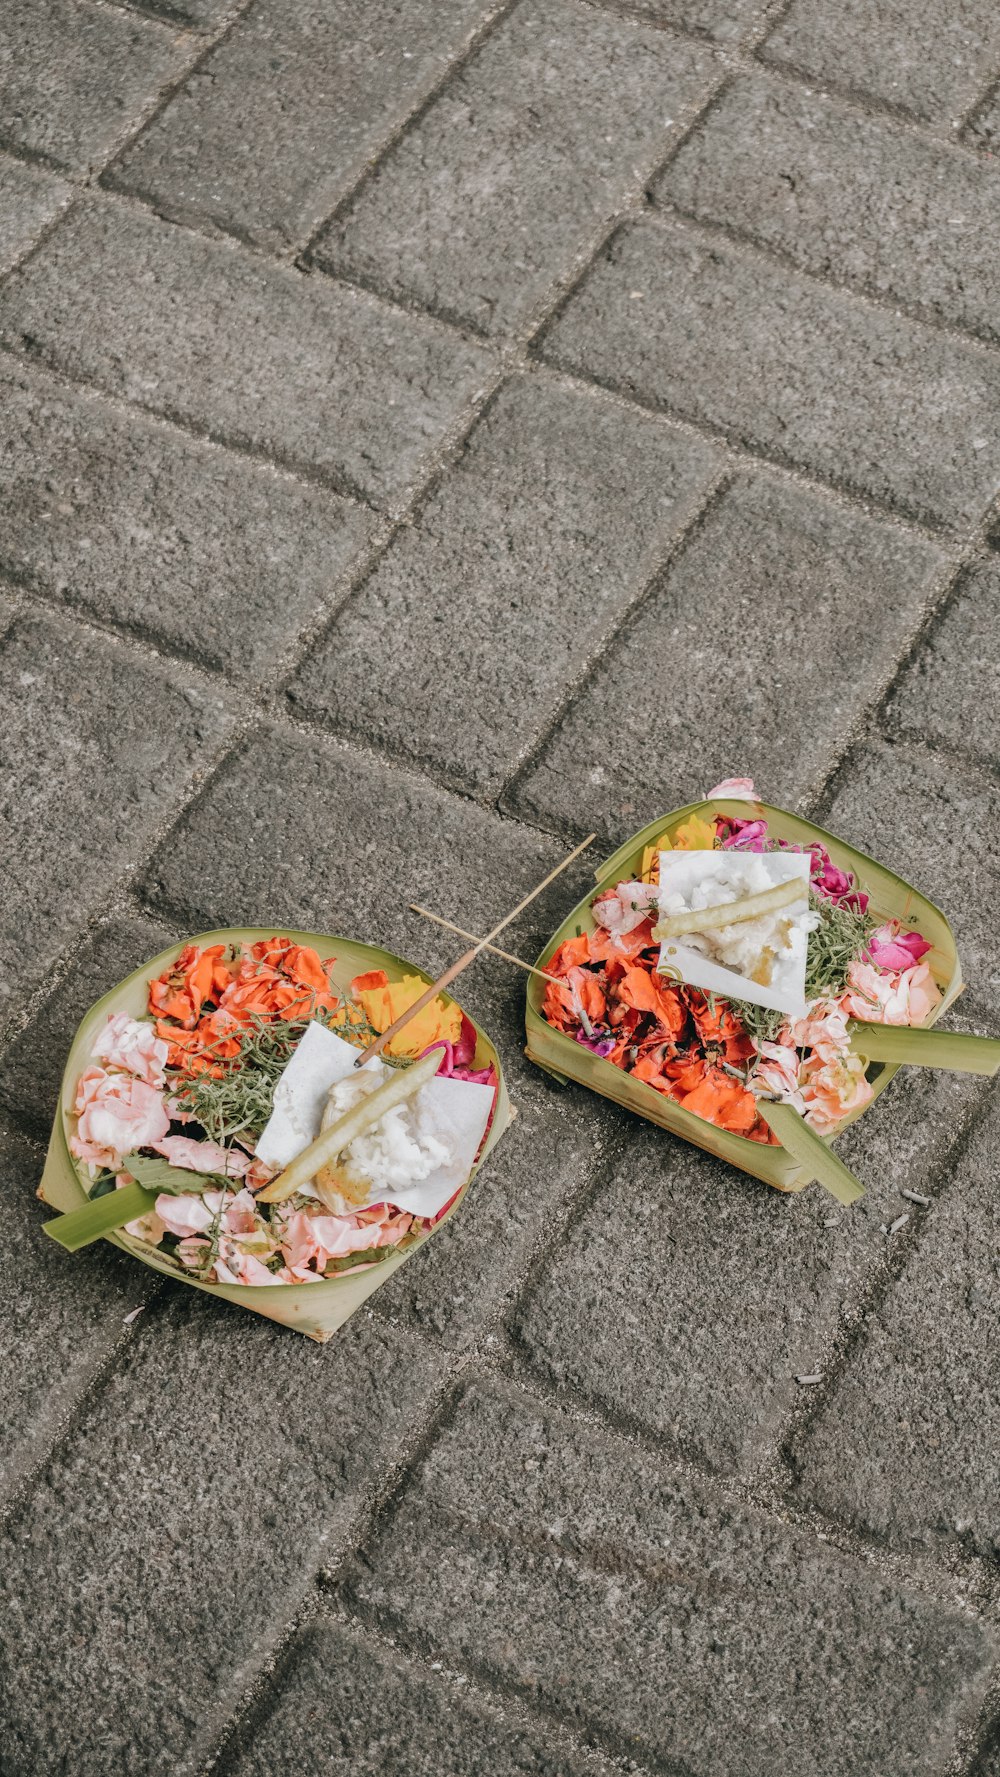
[469,956]
[494,949]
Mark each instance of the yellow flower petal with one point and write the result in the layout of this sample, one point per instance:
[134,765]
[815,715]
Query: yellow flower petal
[694,834]
[436,1023]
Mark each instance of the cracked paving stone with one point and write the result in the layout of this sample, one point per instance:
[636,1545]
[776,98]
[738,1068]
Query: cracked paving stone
[298,368]
[81,77]
[725,20]
[688,1308]
[101,745]
[666,1624]
[554,517]
[812,377]
[179,1522]
[279,121]
[848,196]
[33,1062]
[834,585]
[950,693]
[531,147]
[906,1448]
[137,524]
[342,1706]
[929,60]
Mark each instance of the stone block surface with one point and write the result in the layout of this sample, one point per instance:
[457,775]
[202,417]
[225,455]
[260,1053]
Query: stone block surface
[277,124]
[847,195]
[256,354]
[688,1297]
[137,524]
[950,692]
[684,1632]
[178,1524]
[63,1316]
[343,1707]
[812,377]
[782,582]
[100,746]
[929,61]
[906,1446]
[30,198]
[983,129]
[33,1063]
[77,78]
[552,520]
[533,144]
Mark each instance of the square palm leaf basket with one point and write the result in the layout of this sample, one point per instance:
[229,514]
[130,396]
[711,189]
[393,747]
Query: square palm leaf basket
[884,1047]
[316,1309]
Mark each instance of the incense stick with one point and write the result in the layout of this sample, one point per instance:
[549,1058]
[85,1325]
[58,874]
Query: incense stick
[494,949]
[468,956]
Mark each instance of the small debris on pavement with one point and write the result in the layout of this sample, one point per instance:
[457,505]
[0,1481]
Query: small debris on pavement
[900,1222]
[915,1197]
[808,1381]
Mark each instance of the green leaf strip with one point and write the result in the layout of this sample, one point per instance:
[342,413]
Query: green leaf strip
[102,1215]
[921,1047]
[811,1151]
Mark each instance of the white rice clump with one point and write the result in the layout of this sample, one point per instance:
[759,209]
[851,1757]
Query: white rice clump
[402,1148]
[742,946]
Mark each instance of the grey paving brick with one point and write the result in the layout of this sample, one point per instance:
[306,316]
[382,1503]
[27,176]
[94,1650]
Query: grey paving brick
[30,197]
[99,746]
[935,822]
[301,831]
[343,1707]
[202,1488]
[76,78]
[33,1064]
[686,1633]
[688,1297]
[534,143]
[930,60]
[553,519]
[811,377]
[907,1446]
[984,126]
[60,1323]
[218,557]
[810,605]
[848,195]
[277,125]
[725,20]
[951,691]
[256,354]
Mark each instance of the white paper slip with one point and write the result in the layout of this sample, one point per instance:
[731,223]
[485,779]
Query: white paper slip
[772,947]
[457,1112]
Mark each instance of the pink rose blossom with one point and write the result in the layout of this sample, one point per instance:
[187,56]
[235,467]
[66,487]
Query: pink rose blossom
[823,1030]
[832,1089]
[185,1214]
[777,1073]
[622,909]
[125,1042]
[891,948]
[116,1114]
[745,836]
[235,1266]
[202,1156]
[734,789]
[906,998]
